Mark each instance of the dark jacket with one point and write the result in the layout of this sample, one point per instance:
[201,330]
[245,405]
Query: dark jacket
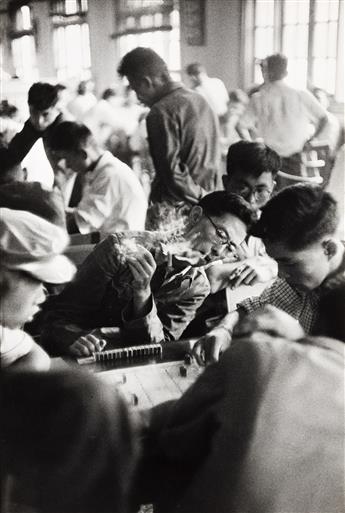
[183,137]
[99,296]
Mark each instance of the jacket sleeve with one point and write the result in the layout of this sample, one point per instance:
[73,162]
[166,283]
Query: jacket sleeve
[23,141]
[170,314]
[79,306]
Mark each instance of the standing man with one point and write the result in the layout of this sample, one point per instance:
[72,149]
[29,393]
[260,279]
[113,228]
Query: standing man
[211,88]
[183,131]
[282,115]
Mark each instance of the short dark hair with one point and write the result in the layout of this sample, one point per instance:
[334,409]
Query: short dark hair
[298,216]
[32,197]
[276,66]
[194,68]
[252,158]
[69,136]
[218,203]
[42,95]
[142,61]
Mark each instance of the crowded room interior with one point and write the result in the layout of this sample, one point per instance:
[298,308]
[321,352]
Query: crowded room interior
[172,256]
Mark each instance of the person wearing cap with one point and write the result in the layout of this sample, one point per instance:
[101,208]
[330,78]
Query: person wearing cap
[30,255]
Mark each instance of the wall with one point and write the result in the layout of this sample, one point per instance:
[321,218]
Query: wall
[101,18]
[221,53]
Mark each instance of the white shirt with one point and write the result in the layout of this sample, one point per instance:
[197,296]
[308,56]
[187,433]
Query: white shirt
[14,343]
[283,116]
[215,93]
[112,199]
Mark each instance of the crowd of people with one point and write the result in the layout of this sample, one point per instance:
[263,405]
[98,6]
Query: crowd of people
[262,428]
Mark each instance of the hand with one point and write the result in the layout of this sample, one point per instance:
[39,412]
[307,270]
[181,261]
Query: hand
[88,344]
[251,271]
[209,347]
[142,266]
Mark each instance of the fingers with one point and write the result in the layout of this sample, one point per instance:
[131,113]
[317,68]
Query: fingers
[243,274]
[87,345]
[208,349]
[199,353]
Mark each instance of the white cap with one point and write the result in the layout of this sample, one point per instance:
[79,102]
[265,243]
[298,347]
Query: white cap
[30,243]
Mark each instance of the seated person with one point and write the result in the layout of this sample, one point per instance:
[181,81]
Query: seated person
[150,293]
[262,430]
[299,229]
[30,250]
[112,197]
[251,169]
[10,171]
[45,114]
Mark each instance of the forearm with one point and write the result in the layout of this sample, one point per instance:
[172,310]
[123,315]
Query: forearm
[321,125]
[229,321]
[23,141]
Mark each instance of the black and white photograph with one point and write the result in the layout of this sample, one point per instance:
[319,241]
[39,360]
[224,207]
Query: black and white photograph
[172,256]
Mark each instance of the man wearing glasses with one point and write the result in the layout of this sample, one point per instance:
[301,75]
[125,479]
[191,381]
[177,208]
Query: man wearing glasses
[251,171]
[151,287]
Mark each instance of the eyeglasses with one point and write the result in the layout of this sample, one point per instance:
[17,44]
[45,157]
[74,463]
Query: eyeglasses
[261,194]
[221,234]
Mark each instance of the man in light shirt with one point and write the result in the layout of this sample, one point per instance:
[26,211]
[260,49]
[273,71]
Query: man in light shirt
[286,118]
[211,88]
[112,197]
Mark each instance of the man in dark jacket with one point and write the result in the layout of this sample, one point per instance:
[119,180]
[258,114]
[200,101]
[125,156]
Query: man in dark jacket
[140,282]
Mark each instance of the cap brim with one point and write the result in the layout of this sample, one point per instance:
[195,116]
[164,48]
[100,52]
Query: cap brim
[57,269]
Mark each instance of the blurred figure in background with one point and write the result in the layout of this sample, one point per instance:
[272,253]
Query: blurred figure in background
[287,119]
[212,89]
[231,132]
[112,198]
[83,101]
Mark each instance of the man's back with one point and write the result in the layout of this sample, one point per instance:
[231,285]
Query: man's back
[184,143]
[284,116]
[262,430]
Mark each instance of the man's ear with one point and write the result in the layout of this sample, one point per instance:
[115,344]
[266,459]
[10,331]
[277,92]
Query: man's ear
[329,247]
[195,214]
[147,81]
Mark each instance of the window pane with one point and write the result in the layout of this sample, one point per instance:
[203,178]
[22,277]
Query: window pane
[264,12]
[332,39]
[71,6]
[24,58]
[290,11]
[26,17]
[334,10]
[263,42]
[303,11]
[320,40]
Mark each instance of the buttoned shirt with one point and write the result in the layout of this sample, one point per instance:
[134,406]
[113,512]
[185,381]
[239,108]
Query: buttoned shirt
[100,295]
[112,198]
[215,93]
[283,116]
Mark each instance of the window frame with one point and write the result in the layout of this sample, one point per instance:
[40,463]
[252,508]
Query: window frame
[250,26]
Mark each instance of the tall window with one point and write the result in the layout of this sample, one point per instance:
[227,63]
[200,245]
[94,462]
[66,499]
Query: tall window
[306,31]
[71,39]
[151,23]
[295,32]
[23,44]
[324,54]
